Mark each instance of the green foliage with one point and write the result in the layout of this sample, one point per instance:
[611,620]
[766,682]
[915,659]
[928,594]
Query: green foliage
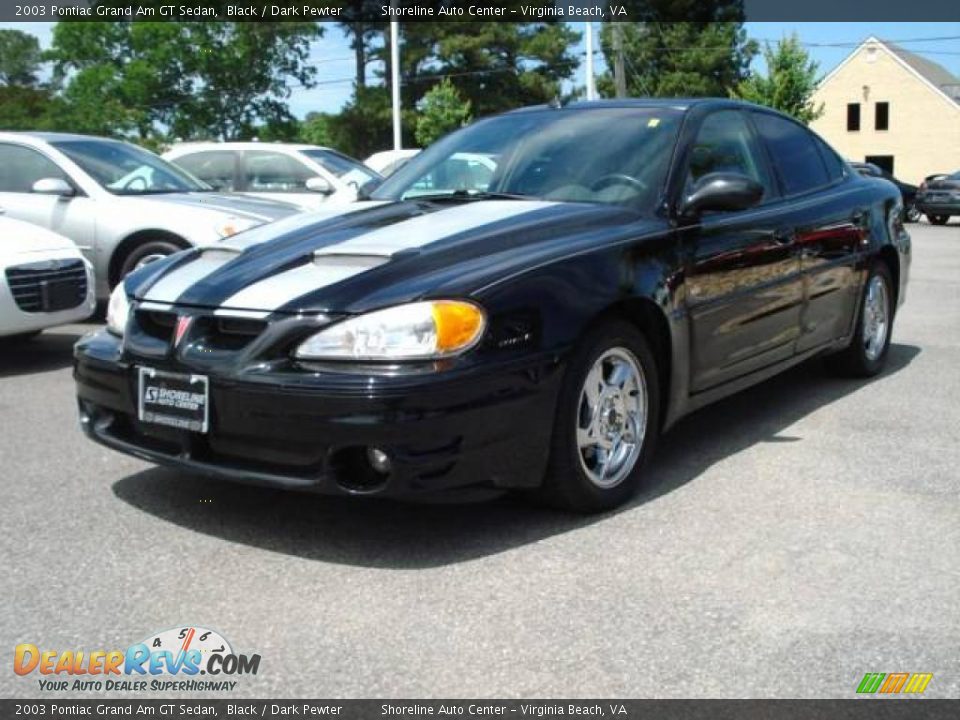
[703,58]
[20,58]
[188,80]
[441,111]
[30,108]
[789,83]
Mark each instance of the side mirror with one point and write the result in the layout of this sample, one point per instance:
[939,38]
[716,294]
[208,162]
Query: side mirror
[721,192]
[53,186]
[319,185]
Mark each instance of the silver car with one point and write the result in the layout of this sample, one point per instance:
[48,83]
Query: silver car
[122,205]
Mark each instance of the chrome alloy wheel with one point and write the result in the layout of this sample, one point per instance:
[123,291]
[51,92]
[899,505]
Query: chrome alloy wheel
[876,317]
[612,417]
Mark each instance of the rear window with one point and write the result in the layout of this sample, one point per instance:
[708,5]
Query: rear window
[794,153]
[831,160]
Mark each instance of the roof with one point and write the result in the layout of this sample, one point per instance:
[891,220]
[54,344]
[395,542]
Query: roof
[52,137]
[935,76]
[678,103]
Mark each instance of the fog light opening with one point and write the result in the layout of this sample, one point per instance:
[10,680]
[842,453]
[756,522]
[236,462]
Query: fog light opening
[379,460]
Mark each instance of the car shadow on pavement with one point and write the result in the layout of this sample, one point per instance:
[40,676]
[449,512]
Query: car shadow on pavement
[51,350]
[386,534]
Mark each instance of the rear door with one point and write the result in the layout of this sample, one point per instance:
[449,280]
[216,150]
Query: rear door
[830,220]
[744,291]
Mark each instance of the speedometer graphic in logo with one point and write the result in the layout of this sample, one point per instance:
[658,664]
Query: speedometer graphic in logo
[184,639]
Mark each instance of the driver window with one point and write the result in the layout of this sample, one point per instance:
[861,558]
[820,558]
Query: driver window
[725,144]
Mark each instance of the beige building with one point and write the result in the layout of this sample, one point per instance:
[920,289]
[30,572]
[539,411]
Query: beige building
[893,108]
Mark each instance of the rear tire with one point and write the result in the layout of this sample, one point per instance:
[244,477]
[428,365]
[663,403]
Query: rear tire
[145,252]
[912,213]
[867,352]
[607,421]
[938,219]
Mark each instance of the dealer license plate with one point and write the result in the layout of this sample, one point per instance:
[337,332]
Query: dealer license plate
[175,400]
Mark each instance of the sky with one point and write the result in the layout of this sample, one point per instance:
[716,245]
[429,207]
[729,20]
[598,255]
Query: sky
[827,43]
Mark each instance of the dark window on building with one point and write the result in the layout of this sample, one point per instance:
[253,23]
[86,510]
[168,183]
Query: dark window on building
[883,116]
[794,153]
[853,117]
[884,162]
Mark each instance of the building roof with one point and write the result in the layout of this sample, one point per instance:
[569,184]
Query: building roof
[935,74]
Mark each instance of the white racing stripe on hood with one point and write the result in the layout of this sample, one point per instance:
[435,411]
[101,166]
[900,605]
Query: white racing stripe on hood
[273,292]
[169,287]
[359,254]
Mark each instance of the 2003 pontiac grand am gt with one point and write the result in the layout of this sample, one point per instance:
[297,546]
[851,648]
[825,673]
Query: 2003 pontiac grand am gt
[626,263]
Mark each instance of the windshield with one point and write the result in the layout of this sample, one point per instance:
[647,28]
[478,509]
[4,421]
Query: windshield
[598,155]
[351,171]
[128,170]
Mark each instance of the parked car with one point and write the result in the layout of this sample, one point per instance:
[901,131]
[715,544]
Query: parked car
[939,198]
[122,205]
[388,162]
[538,334]
[307,175]
[911,213]
[44,280]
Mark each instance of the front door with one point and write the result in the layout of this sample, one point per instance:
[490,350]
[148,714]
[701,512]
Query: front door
[744,290]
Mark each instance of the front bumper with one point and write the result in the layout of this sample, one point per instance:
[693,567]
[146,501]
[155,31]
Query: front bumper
[486,427]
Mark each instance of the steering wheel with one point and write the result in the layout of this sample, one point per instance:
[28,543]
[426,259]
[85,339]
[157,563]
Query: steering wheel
[135,179]
[618,179]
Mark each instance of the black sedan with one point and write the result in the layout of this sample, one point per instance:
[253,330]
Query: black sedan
[939,198]
[535,326]
[908,192]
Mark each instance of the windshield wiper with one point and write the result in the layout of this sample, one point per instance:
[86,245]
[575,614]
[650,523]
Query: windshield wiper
[461,195]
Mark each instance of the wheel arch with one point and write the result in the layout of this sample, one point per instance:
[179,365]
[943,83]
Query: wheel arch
[133,240]
[889,256]
[648,317]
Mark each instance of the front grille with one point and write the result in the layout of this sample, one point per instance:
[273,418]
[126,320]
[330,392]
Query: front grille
[49,285]
[217,332]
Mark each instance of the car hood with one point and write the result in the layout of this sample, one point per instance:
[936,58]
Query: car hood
[227,204]
[372,254]
[23,237]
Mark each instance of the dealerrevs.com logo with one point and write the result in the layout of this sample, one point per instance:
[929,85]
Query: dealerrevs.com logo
[172,660]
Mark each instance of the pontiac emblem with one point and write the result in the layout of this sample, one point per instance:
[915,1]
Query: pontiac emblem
[183,325]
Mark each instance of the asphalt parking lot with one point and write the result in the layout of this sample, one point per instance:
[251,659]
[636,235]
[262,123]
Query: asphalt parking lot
[792,538]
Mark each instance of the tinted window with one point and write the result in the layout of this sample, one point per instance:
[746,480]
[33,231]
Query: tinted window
[725,143]
[273,172]
[830,159]
[794,153]
[215,167]
[21,167]
[853,116]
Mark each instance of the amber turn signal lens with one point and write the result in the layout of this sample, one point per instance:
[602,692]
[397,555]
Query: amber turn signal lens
[458,324]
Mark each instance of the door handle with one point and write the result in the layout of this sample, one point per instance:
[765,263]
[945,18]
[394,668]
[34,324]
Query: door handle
[783,236]
[857,217]
[3,210]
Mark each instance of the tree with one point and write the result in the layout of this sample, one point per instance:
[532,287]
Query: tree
[20,58]
[362,32]
[789,83]
[183,79]
[441,110]
[707,56]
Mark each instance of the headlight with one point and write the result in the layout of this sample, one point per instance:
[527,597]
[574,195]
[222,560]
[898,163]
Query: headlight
[417,331]
[118,311]
[233,225]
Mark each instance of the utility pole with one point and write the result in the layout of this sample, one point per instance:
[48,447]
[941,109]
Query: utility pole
[395,78]
[591,86]
[619,76]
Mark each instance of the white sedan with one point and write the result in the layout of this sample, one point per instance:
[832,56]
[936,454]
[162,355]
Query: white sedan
[44,280]
[309,176]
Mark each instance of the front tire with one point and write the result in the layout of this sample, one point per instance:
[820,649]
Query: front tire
[607,421]
[867,353]
[938,219]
